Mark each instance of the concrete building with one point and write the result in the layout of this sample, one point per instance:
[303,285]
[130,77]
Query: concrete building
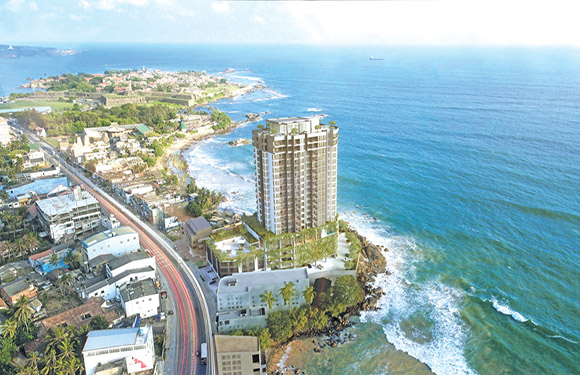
[140,297]
[40,187]
[197,230]
[296,173]
[69,216]
[131,261]
[4,132]
[108,287]
[14,290]
[239,355]
[239,301]
[133,346]
[117,241]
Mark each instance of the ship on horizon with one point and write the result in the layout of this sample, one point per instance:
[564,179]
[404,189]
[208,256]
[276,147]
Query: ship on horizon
[376,58]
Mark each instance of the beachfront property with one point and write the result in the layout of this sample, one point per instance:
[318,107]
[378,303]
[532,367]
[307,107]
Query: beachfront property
[140,298]
[117,241]
[4,132]
[69,216]
[239,301]
[296,174]
[239,355]
[117,351]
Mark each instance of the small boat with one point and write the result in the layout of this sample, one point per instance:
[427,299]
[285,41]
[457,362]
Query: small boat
[10,47]
[377,58]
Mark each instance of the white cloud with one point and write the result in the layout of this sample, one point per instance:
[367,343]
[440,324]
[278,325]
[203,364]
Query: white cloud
[14,5]
[220,6]
[258,19]
[33,6]
[438,23]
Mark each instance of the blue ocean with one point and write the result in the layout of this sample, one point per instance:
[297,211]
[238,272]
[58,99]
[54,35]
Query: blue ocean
[464,162]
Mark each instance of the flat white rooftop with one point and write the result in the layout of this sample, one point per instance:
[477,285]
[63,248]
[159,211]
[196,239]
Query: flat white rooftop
[112,338]
[65,203]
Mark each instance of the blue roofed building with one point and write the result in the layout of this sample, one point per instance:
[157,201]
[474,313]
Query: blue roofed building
[43,262]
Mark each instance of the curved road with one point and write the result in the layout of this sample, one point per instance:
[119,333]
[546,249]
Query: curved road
[192,316]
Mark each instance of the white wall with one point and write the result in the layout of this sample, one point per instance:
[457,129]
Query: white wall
[146,306]
[117,245]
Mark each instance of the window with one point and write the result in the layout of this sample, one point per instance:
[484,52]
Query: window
[255,358]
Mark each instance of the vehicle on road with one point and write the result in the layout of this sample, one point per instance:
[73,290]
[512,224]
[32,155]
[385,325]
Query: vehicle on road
[204,353]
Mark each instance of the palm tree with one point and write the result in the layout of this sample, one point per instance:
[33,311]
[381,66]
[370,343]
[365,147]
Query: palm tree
[23,310]
[66,348]
[55,337]
[287,292]
[71,259]
[309,294]
[33,360]
[10,328]
[54,260]
[50,363]
[267,298]
[31,242]
[20,246]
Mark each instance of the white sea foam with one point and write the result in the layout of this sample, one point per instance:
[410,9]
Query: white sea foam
[441,348]
[271,95]
[222,175]
[314,110]
[506,310]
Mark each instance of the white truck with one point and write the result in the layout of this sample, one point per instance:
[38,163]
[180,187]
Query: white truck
[203,354]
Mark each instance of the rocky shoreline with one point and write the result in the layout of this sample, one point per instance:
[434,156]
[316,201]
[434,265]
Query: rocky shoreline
[371,264]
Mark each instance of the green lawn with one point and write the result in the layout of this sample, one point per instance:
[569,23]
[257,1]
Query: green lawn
[53,142]
[55,105]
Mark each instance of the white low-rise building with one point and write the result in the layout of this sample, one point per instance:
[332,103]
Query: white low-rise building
[117,241]
[140,298]
[134,346]
[132,261]
[108,288]
[239,301]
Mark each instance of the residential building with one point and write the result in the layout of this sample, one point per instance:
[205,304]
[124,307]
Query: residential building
[239,301]
[80,315]
[134,346]
[39,173]
[239,355]
[140,298]
[197,230]
[117,241]
[131,261]
[107,286]
[69,216]
[4,132]
[43,263]
[14,290]
[296,174]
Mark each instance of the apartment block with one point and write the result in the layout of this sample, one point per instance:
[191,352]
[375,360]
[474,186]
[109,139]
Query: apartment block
[239,355]
[296,174]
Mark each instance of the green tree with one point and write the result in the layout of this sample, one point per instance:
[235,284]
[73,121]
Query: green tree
[279,326]
[23,311]
[10,328]
[99,322]
[309,294]
[268,298]
[287,292]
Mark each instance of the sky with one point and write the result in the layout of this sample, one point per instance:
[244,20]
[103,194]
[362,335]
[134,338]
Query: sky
[402,22]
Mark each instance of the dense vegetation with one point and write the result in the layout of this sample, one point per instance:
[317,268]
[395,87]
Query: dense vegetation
[282,326]
[10,164]
[73,82]
[221,120]
[205,201]
[74,121]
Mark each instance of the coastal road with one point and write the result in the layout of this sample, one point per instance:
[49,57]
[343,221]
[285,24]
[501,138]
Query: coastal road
[193,324]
